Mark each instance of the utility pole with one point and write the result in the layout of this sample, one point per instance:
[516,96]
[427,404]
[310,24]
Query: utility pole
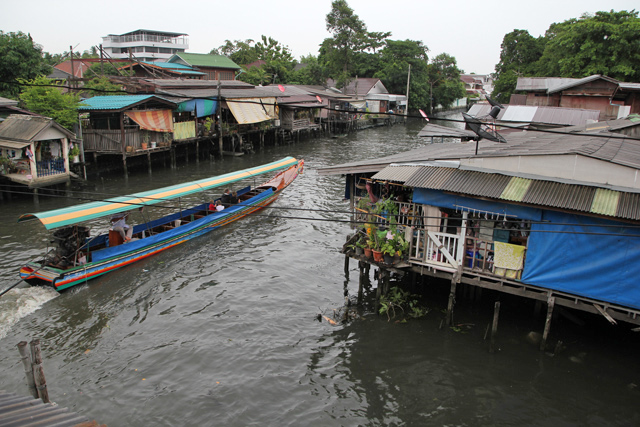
[406,108]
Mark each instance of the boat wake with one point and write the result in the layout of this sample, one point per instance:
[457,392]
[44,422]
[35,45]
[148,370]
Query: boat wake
[20,302]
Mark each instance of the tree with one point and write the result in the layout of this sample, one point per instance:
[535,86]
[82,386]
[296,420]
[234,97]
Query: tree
[310,72]
[393,70]
[20,58]
[102,86]
[42,96]
[350,38]
[444,81]
[606,43]
[239,51]
[519,56]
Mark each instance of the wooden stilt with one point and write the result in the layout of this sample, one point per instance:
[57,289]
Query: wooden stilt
[547,324]
[452,298]
[361,282]
[28,370]
[149,162]
[494,327]
[346,266]
[38,371]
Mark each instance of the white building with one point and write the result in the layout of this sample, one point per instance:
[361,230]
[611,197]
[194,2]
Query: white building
[145,45]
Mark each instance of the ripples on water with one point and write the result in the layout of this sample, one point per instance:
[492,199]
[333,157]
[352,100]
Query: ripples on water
[222,330]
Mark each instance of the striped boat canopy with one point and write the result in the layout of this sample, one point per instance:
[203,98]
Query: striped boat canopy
[80,213]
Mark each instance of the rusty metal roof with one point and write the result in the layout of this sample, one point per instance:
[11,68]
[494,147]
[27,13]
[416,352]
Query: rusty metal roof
[26,411]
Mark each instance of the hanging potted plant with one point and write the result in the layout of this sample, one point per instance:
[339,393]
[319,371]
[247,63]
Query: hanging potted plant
[74,154]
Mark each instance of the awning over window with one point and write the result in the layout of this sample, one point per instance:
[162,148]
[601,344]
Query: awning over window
[249,110]
[202,107]
[13,145]
[155,120]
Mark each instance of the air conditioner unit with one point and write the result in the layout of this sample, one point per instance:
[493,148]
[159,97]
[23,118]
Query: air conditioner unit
[276,123]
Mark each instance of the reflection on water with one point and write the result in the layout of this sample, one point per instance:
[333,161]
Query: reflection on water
[223,330]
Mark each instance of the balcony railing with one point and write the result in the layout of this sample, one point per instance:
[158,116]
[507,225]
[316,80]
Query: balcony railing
[50,167]
[431,247]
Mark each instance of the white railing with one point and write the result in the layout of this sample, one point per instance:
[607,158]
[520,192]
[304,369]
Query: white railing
[436,249]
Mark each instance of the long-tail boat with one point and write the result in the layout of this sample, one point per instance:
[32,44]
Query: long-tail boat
[76,257]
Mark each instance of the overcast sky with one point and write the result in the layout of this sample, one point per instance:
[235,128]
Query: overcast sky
[470,31]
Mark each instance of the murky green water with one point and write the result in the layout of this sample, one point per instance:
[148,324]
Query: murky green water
[223,330]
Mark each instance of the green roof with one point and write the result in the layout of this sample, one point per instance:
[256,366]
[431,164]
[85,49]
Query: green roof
[205,60]
[116,102]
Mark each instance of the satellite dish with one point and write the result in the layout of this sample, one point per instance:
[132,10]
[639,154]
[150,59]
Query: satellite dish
[482,130]
[495,103]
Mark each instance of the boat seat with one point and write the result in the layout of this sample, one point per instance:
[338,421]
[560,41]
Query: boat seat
[115,238]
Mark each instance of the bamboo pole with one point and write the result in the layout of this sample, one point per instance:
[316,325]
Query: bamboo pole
[38,371]
[28,371]
[494,327]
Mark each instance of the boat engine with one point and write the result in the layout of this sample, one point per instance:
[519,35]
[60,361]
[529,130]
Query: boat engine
[66,241]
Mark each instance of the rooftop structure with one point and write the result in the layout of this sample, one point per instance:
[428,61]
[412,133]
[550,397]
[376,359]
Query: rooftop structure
[145,45]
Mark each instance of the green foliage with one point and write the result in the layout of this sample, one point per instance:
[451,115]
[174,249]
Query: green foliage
[519,56]
[444,80]
[75,151]
[393,70]
[102,86]
[20,58]
[398,300]
[606,43]
[278,60]
[41,95]
[350,38]
[310,72]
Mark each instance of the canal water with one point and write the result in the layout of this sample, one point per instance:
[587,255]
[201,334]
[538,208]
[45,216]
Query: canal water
[224,331]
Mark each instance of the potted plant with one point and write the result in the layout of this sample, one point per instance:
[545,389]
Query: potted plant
[74,153]
[379,239]
[145,140]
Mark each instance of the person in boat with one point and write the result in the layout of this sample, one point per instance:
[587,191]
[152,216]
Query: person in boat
[226,197]
[119,224]
[219,206]
[212,205]
[234,198]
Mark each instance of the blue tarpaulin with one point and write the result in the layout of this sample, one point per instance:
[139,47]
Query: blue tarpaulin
[202,107]
[461,203]
[594,258]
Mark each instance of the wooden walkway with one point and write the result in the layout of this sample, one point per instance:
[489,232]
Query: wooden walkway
[22,411]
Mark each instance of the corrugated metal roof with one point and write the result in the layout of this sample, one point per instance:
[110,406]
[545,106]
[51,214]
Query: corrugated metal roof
[579,82]
[531,84]
[519,113]
[539,193]
[516,189]
[397,173]
[117,102]
[540,115]
[20,127]
[605,202]
[432,130]
[26,411]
